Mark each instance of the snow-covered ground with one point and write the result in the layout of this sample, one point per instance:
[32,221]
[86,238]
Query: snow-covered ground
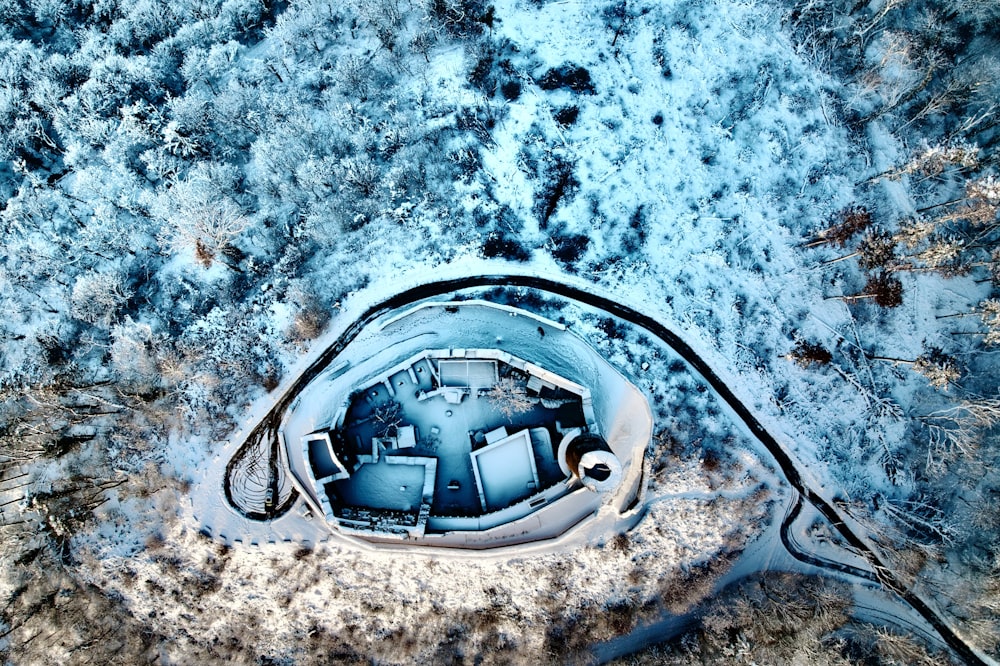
[680,180]
[693,516]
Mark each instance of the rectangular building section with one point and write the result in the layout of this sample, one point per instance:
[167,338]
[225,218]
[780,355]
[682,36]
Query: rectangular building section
[468,374]
[505,471]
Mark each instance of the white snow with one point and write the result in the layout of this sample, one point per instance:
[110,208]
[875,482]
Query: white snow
[707,153]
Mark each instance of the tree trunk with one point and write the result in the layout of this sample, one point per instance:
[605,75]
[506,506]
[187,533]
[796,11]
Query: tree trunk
[890,359]
[839,259]
[851,299]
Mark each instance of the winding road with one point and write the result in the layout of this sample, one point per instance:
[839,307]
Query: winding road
[266,432]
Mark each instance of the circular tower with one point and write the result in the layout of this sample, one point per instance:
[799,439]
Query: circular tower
[589,458]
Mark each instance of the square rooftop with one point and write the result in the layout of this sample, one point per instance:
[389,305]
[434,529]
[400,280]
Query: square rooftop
[505,471]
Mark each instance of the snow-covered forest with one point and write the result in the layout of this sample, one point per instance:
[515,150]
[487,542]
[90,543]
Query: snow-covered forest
[194,190]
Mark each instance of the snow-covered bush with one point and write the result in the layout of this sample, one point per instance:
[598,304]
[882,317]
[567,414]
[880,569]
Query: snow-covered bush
[201,213]
[97,298]
[133,355]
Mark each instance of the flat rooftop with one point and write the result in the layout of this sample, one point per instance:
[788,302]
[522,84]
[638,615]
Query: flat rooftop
[383,485]
[505,470]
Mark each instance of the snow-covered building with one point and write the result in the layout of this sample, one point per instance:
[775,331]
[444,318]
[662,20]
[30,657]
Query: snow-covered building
[455,439]
[467,447]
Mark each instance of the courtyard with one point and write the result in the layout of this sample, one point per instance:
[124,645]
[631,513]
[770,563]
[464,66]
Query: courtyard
[447,425]
[449,422]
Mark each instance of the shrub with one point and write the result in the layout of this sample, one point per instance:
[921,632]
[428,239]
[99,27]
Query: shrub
[461,18]
[635,236]
[482,76]
[480,120]
[567,115]
[559,182]
[309,322]
[499,244]
[574,77]
[511,90]
[569,248]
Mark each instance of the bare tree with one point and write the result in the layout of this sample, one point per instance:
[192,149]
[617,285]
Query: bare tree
[937,158]
[422,43]
[943,255]
[893,71]
[510,396]
[97,297]
[807,354]
[940,369]
[201,214]
[874,23]
[990,312]
[776,618]
[895,648]
[979,206]
[883,288]
[876,249]
[387,417]
[385,18]
[132,354]
[957,431]
[914,231]
[850,221]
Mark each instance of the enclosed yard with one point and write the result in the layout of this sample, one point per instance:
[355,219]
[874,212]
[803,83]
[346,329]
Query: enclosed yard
[383,486]
[451,431]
